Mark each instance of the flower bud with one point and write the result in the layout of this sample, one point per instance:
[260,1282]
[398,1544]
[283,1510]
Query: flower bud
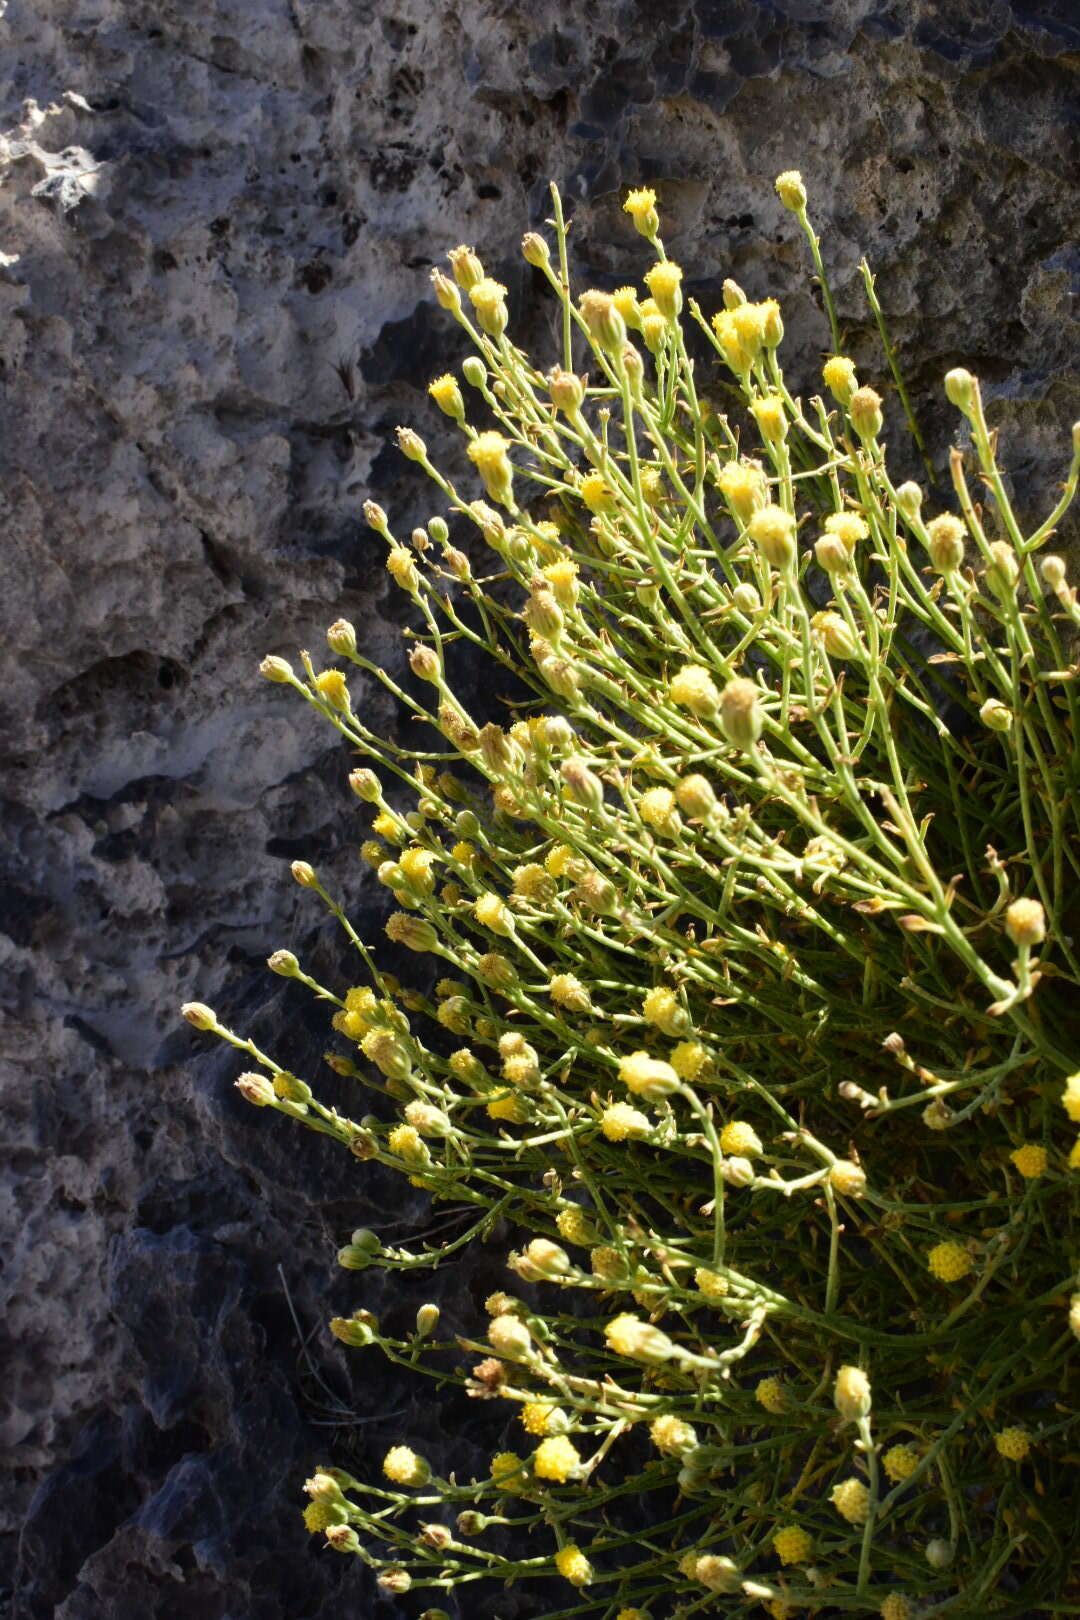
[733,294]
[466,267]
[412,932]
[664,282]
[357,1330]
[445,291]
[284,963]
[470,1523]
[547,1259]
[581,785]
[864,408]
[773,532]
[304,874]
[648,1077]
[606,326]
[427,1320]
[424,662]
[375,517]
[640,204]
[411,444]
[995,715]
[738,1171]
[945,539]
[394,1580]
[746,598]
[939,1554]
[909,499]
[1052,569]
[534,249]
[640,1341]
[791,191]
[256,1089]
[832,555]
[1025,922]
[447,395]
[474,371]
[848,1179]
[341,638]
[488,299]
[741,716]
[836,635]
[365,784]
[1003,572]
[436,1535]
[199,1015]
[696,797]
[488,454]
[960,388]
[509,1336]
[544,616]
[771,417]
[343,1538]
[276,669]
[851,1394]
[567,391]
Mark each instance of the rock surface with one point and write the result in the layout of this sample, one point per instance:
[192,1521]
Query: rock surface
[216,224]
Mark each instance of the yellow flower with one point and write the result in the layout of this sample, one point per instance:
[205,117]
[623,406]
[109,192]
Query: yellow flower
[847,1179]
[402,569]
[770,1394]
[1070,1097]
[574,1226]
[1074,1155]
[900,1462]
[711,1284]
[743,486]
[664,281]
[447,395]
[1030,1160]
[404,1140]
[852,1395]
[848,527]
[319,1515]
[840,379]
[562,576]
[331,686]
[693,688]
[625,300]
[619,1121]
[491,912]
[773,532]
[596,494]
[556,1459]
[657,809]
[851,1499]
[511,1107]
[793,1545]
[641,206]
[647,1077]
[739,1138]
[608,1264]
[557,860]
[573,1565]
[949,1262]
[791,191]
[771,418]
[896,1607]
[509,1472]
[488,454]
[662,1009]
[404,1467]
[540,1417]
[488,298]
[688,1059]
[671,1435]
[1014,1444]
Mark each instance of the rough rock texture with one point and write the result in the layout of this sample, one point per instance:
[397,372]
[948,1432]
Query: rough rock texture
[216,223]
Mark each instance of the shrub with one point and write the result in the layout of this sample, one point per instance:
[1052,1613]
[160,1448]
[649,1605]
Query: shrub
[756,920]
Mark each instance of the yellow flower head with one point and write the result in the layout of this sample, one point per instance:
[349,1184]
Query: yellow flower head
[896,1607]
[556,1459]
[557,860]
[562,576]
[491,912]
[711,1284]
[949,1262]
[447,395]
[791,191]
[647,1077]
[596,494]
[641,206]
[509,1472]
[773,532]
[771,417]
[739,1138]
[736,356]
[662,1008]
[743,486]
[320,1515]
[404,1467]
[488,453]
[793,1545]
[488,298]
[664,282]
[1013,1444]
[566,990]
[620,1121]
[839,376]
[657,809]
[573,1565]
[852,1395]
[688,1059]
[770,1394]
[851,1499]
[574,1226]
[405,1141]
[511,1108]
[671,1435]
[693,688]
[1070,1098]
[1030,1160]
[540,1417]
[847,1178]
[900,1462]
[332,688]
[625,300]
[848,527]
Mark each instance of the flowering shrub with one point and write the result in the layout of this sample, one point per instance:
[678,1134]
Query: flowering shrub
[758,1020]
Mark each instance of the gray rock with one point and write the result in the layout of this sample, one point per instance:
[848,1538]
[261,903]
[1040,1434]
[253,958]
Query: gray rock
[217,224]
